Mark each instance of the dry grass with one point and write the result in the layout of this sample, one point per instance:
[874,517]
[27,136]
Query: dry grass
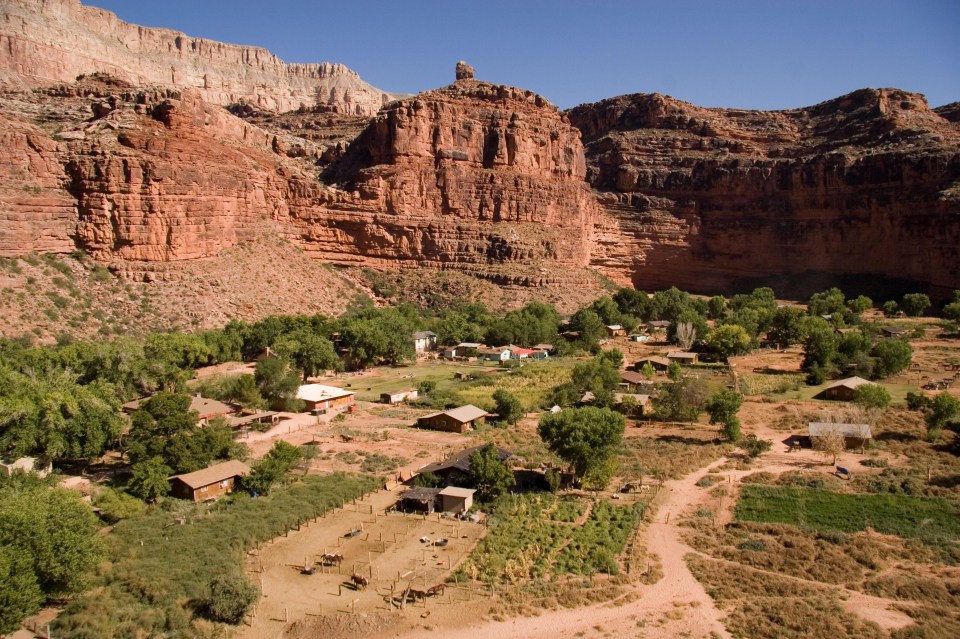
[669,456]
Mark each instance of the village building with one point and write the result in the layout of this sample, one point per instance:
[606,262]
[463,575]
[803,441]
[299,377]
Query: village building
[843,390]
[539,353]
[418,499]
[42,467]
[854,435]
[658,363]
[322,399]
[543,347]
[520,353]
[682,357]
[495,354]
[242,422]
[424,341]
[634,380]
[455,420]
[616,330]
[455,468]
[454,499]
[642,400]
[894,331]
[206,408]
[398,397]
[209,483]
[638,337]
[659,325]
[264,354]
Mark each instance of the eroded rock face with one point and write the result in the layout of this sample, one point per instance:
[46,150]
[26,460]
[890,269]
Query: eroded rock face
[867,184]
[44,41]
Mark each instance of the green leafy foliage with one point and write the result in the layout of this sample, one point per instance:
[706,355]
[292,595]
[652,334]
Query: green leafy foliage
[729,340]
[722,408]
[681,401]
[148,479]
[586,438]
[508,407]
[490,476]
[871,396]
[915,304]
[231,597]
[277,383]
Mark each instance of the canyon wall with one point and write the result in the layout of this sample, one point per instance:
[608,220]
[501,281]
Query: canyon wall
[862,187]
[46,41]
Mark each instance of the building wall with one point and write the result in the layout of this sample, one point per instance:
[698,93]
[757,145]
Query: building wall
[330,404]
[840,393]
[445,423]
[213,491]
[451,504]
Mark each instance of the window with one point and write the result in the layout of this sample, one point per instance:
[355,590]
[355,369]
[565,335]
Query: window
[224,483]
[203,489]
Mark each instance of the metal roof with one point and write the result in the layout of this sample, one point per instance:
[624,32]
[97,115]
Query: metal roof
[456,491]
[849,382]
[466,413]
[461,460]
[820,429]
[319,392]
[420,493]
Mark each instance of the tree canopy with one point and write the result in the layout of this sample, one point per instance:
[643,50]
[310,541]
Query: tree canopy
[585,438]
[490,476]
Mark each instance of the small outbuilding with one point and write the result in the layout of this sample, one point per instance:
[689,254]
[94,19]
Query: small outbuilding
[659,325]
[419,499]
[455,420]
[894,331]
[843,390]
[496,353]
[424,341]
[454,468]
[454,499]
[682,357]
[854,435]
[616,330]
[209,483]
[658,363]
[322,399]
[633,380]
[398,397]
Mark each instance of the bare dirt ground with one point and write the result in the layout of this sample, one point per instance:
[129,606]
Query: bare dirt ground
[391,550]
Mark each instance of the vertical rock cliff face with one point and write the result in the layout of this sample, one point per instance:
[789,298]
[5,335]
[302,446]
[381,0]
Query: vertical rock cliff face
[44,41]
[472,175]
[708,199]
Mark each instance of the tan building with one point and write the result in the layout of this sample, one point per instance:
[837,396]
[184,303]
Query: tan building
[682,357]
[398,397]
[325,399]
[455,420]
[658,363]
[843,389]
[209,483]
[854,435]
[205,408]
[454,499]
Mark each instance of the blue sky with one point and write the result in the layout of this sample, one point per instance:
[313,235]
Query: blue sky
[770,54]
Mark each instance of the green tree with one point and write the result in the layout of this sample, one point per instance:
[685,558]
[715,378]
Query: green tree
[827,303]
[674,372]
[820,346]
[754,447]
[585,438]
[871,396]
[148,479]
[789,326]
[599,475]
[490,476]
[243,390]
[162,427]
[648,370]
[508,407]
[891,357]
[716,307]
[860,304]
[914,304]
[722,408]
[952,312]
[728,340]
[279,460]
[277,382]
[426,387]
[891,308]
[589,325]
[49,543]
[310,352]
[231,597]
[944,408]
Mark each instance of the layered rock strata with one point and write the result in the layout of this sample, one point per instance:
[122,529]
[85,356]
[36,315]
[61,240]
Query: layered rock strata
[45,41]
[864,185]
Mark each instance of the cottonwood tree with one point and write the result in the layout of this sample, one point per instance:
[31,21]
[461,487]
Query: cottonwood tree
[722,408]
[686,335]
[508,407]
[585,438]
[488,474]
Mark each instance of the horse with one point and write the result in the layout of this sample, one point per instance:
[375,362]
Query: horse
[359,581]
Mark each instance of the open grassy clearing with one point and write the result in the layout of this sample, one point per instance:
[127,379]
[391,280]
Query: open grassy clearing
[898,392]
[157,567]
[668,453]
[531,383]
[531,538]
[929,519]
[770,383]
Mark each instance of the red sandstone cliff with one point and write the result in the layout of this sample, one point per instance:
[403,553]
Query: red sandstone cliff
[46,41]
[864,185]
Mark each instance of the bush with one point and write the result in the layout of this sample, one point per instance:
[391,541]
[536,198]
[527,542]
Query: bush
[755,447]
[230,598]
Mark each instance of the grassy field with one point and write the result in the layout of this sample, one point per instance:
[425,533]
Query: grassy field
[156,567]
[764,383]
[531,383]
[915,517]
[668,456]
[898,392]
[531,537]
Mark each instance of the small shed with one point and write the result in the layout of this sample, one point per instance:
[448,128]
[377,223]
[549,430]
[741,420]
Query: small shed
[616,330]
[659,325]
[419,499]
[854,435]
[262,417]
[543,347]
[424,341]
[895,331]
[209,483]
[454,499]
[398,397]
[631,379]
[642,401]
[455,420]
[658,363]
[842,390]
[638,337]
[682,357]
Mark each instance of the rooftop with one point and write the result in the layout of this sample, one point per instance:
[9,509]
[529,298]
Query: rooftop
[214,474]
[849,382]
[456,491]
[319,392]
[461,460]
[424,335]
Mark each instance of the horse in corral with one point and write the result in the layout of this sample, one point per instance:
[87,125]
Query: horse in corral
[331,559]
[418,594]
[434,591]
[359,581]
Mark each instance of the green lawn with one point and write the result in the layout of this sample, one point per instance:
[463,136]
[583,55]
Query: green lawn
[898,392]
[930,519]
